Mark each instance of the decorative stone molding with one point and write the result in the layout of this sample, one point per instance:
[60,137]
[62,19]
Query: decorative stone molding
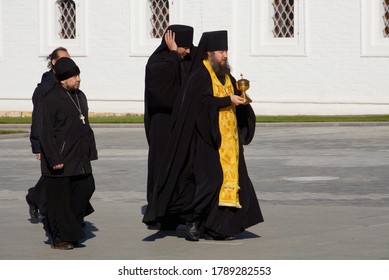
[373,41]
[49,27]
[263,40]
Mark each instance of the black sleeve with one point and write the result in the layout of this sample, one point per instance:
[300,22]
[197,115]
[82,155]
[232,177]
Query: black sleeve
[246,123]
[47,112]
[163,79]
[208,108]
[34,132]
[92,150]
[40,91]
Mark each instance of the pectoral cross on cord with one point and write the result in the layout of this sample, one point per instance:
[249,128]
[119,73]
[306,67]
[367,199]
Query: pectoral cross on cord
[82,117]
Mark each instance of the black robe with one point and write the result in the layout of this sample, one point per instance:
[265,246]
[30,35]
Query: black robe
[66,140]
[63,137]
[164,73]
[36,194]
[192,166]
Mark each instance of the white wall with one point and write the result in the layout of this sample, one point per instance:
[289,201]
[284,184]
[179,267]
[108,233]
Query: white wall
[331,78]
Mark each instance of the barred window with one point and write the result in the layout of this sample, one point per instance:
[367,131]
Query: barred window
[159,17]
[283,18]
[385,17]
[67,19]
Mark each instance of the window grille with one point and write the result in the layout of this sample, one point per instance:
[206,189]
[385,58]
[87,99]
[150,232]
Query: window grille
[159,18]
[283,18]
[385,17]
[67,19]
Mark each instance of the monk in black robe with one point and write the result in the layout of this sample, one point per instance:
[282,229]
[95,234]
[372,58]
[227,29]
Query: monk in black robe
[165,71]
[206,150]
[68,147]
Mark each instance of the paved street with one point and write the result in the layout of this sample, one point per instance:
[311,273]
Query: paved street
[323,191]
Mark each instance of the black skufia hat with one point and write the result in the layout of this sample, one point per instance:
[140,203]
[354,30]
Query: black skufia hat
[65,68]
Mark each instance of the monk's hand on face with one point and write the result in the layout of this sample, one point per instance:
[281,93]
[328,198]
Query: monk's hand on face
[170,40]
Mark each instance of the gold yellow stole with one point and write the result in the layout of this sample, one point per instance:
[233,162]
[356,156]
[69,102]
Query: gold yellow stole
[229,148]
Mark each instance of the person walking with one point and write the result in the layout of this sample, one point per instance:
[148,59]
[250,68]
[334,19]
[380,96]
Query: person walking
[34,195]
[68,147]
[165,71]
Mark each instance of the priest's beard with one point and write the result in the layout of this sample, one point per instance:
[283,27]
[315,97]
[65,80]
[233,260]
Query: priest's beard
[220,69]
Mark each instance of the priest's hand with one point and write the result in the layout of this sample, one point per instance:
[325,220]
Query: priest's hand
[238,100]
[58,166]
[170,40]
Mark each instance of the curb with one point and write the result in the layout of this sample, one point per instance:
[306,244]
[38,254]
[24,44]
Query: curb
[259,124]
[321,124]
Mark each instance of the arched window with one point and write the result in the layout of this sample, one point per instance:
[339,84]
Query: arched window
[283,18]
[1,20]
[385,18]
[149,20]
[278,27]
[159,17]
[62,23]
[67,19]
[375,28]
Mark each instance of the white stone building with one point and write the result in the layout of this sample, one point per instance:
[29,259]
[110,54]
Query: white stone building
[302,57]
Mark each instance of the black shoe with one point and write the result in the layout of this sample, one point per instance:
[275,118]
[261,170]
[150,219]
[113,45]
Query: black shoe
[208,236]
[62,245]
[192,233]
[154,226]
[33,211]
[168,226]
[77,244]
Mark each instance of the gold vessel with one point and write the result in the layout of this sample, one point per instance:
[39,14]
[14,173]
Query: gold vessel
[243,85]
